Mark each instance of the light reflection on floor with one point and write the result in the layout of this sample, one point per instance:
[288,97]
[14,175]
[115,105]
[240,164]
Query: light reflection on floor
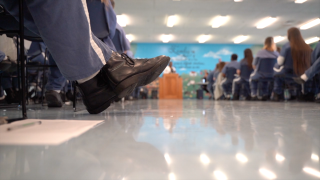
[176,140]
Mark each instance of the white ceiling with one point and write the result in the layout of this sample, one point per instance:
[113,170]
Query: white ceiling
[147,19]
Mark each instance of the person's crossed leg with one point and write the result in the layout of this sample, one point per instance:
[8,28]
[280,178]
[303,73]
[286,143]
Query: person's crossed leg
[102,74]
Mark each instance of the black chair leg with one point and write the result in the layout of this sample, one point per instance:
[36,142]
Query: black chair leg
[74,96]
[22,58]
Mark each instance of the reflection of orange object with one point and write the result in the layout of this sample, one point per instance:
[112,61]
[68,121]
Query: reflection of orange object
[170,111]
[170,87]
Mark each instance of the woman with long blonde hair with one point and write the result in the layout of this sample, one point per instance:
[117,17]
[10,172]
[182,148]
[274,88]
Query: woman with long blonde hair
[268,53]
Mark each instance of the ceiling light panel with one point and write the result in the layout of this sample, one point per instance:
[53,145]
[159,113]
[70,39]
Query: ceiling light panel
[172,20]
[312,40]
[278,39]
[166,38]
[219,21]
[122,20]
[266,22]
[130,37]
[300,1]
[203,38]
[240,39]
[310,24]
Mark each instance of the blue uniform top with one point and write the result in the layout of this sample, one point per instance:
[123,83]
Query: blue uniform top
[2,56]
[120,40]
[263,53]
[232,64]
[245,71]
[316,53]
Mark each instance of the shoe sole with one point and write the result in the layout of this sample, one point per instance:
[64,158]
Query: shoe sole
[52,101]
[127,86]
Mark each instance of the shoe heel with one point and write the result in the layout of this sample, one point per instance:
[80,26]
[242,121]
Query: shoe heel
[124,91]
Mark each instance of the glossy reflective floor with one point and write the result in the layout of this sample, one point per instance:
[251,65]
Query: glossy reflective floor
[177,140]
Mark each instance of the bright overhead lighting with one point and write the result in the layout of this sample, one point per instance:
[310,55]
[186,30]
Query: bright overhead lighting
[172,176]
[167,158]
[240,39]
[204,38]
[312,40]
[268,174]
[129,37]
[300,1]
[172,20]
[266,22]
[278,39]
[166,38]
[312,172]
[220,175]
[122,20]
[315,157]
[204,159]
[310,24]
[242,158]
[237,0]
[280,158]
[219,21]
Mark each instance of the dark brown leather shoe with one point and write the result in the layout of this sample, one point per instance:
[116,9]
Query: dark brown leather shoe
[97,94]
[124,74]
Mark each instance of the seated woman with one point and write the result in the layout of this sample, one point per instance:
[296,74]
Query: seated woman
[267,56]
[218,91]
[294,60]
[244,71]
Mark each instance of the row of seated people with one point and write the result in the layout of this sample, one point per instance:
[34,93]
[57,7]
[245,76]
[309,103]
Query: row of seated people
[291,74]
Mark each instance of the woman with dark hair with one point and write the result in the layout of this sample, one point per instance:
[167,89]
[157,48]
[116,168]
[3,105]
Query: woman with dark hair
[294,60]
[267,53]
[244,71]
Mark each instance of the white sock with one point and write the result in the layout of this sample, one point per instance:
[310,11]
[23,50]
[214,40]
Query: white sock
[58,91]
[304,77]
[80,81]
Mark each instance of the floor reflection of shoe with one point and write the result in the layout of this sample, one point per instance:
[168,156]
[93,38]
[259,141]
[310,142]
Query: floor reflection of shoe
[124,74]
[298,80]
[53,98]
[97,94]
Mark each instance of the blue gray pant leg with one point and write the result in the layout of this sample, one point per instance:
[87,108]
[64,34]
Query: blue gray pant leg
[56,81]
[314,69]
[254,87]
[65,29]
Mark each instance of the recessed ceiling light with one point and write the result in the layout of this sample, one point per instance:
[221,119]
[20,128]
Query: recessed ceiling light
[122,20]
[278,39]
[300,1]
[129,37]
[237,0]
[312,40]
[266,22]
[219,21]
[166,38]
[310,24]
[172,20]
[204,38]
[240,39]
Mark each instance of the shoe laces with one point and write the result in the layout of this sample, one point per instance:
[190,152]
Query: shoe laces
[128,59]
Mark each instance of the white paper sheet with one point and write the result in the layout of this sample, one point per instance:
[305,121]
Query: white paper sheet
[49,132]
